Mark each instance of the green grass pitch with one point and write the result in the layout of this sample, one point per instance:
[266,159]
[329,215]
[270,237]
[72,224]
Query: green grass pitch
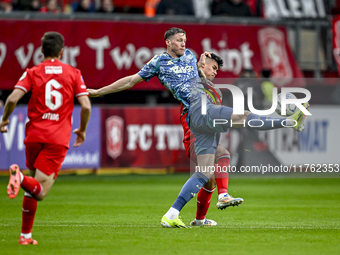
[121,215]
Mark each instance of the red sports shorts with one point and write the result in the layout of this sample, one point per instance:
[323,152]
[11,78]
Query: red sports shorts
[46,157]
[190,149]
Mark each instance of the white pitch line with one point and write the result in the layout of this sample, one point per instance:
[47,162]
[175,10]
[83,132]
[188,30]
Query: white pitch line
[158,226]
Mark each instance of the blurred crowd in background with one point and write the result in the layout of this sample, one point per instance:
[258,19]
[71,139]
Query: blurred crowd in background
[199,8]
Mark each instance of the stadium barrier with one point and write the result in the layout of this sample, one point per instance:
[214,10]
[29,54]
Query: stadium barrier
[12,148]
[151,138]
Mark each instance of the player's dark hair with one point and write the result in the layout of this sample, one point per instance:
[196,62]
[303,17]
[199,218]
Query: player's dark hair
[218,59]
[52,43]
[172,31]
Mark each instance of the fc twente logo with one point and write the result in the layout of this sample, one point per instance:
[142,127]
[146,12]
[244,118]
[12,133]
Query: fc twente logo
[114,136]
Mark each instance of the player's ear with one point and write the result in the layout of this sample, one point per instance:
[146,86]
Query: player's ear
[61,53]
[168,42]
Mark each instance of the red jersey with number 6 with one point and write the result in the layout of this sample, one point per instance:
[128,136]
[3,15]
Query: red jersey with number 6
[54,86]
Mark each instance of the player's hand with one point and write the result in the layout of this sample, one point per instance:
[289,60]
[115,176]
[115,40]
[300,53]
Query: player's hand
[201,62]
[93,92]
[81,136]
[3,125]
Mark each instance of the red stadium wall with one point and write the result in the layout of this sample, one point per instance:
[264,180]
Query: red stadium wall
[107,50]
[148,137]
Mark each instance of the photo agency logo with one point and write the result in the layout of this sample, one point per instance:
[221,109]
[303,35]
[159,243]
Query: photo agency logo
[238,103]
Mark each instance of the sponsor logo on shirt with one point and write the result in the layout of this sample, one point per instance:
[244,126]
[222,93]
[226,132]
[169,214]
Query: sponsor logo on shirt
[23,76]
[53,69]
[182,69]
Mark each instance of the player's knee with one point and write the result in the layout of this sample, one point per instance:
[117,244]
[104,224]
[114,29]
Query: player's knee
[210,184]
[41,196]
[246,114]
[220,152]
[43,193]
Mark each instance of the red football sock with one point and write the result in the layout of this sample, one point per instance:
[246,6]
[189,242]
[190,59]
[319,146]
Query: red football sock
[203,202]
[29,207]
[31,185]
[222,176]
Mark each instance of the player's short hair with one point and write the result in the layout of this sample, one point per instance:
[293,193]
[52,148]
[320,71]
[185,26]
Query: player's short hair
[172,31]
[52,43]
[218,59]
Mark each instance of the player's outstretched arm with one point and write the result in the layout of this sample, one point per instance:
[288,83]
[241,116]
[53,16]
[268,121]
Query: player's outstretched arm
[202,59]
[10,104]
[122,84]
[84,120]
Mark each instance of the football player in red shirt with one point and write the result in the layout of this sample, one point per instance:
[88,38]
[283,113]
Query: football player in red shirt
[222,156]
[48,131]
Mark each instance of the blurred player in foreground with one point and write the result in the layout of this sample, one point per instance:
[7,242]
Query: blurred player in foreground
[207,72]
[48,131]
[177,70]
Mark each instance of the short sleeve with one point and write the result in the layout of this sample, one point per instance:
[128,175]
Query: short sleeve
[193,55]
[24,82]
[80,87]
[150,69]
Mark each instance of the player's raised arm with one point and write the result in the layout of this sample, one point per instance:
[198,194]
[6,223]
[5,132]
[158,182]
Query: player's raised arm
[203,57]
[122,84]
[10,104]
[84,120]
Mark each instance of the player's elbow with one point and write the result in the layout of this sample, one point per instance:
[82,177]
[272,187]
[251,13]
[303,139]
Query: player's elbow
[130,85]
[11,100]
[133,80]
[86,107]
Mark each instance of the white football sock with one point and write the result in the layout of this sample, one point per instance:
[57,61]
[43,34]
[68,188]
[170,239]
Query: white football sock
[172,213]
[21,177]
[27,236]
[199,222]
[222,195]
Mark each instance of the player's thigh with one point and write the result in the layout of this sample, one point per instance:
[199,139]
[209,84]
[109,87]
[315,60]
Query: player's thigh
[48,164]
[206,164]
[32,151]
[240,119]
[50,159]
[218,118]
[189,147]
[46,182]
[206,143]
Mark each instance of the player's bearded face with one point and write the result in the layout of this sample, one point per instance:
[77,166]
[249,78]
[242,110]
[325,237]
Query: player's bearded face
[177,44]
[210,69]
